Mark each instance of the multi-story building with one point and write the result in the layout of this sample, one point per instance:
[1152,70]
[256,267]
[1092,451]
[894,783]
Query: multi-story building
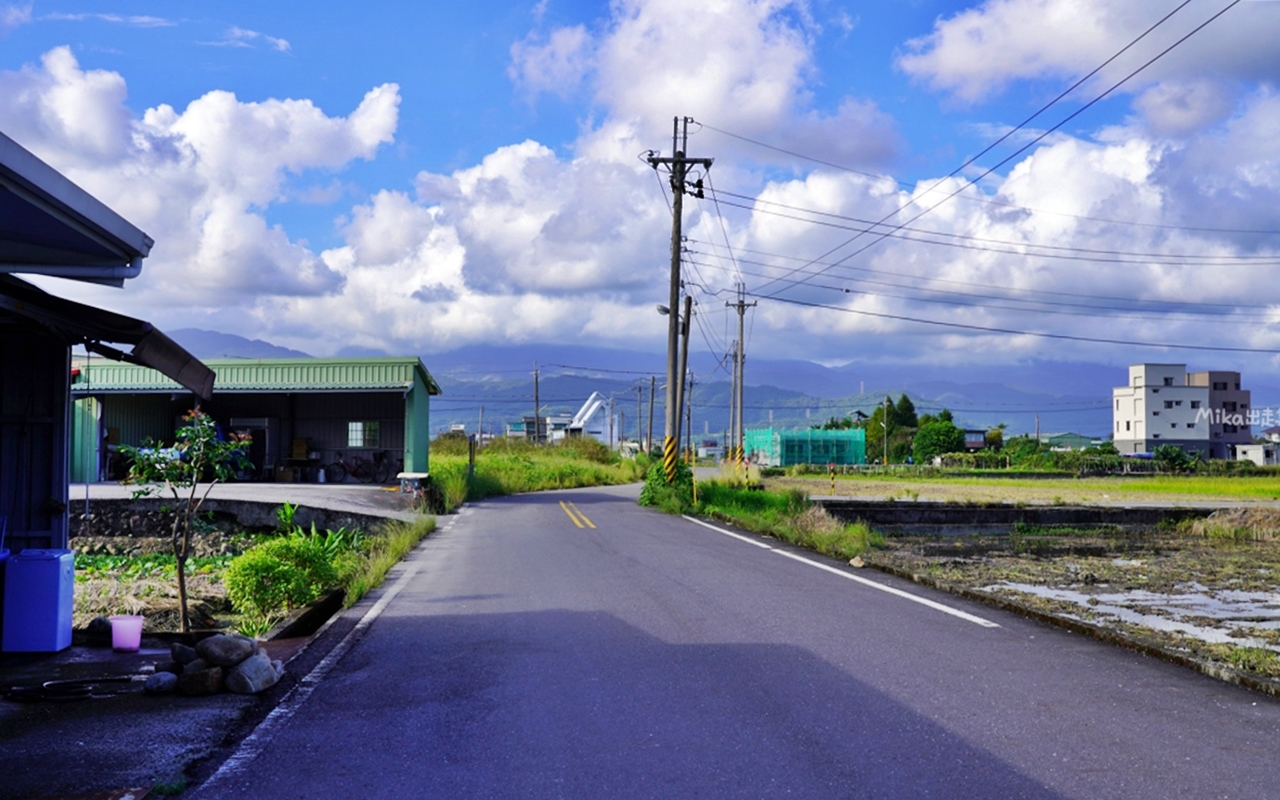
[1201,412]
[1229,417]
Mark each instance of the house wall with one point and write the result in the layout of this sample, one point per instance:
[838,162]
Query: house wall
[1228,420]
[1158,407]
[35,371]
[322,417]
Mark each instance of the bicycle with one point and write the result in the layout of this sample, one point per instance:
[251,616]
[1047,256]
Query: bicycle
[361,469]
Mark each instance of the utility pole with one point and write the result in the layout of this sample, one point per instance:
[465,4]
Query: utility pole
[678,165]
[537,427]
[738,364]
[689,428]
[639,419]
[885,423]
[731,442]
[648,442]
[480,425]
[686,324]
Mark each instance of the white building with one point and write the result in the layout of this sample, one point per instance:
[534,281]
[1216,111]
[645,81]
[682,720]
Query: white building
[1201,412]
[1263,455]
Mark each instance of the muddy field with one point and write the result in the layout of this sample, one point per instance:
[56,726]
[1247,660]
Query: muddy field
[1209,589]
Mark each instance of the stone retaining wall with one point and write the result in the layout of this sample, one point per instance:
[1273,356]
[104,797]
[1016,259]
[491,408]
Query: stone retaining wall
[151,518]
[928,517]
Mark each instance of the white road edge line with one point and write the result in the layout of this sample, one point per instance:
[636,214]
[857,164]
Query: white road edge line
[955,612]
[256,742]
[728,533]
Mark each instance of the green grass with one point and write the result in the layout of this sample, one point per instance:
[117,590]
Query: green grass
[503,468]
[384,551]
[789,516]
[940,486]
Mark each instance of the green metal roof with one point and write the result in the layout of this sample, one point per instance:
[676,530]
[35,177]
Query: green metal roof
[262,375]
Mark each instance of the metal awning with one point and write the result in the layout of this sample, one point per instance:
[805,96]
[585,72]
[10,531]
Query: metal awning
[95,327]
[50,226]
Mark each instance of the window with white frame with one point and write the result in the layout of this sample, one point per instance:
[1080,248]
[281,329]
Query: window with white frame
[363,434]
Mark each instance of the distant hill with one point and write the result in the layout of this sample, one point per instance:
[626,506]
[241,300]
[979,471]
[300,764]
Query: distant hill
[211,344]
[787,393]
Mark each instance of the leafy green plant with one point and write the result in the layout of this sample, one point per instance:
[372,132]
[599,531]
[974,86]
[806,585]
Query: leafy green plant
[198,456]
[285,514]
[673,498]
[279,575]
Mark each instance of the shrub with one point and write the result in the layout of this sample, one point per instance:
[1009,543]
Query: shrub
[279,574]
[674,498]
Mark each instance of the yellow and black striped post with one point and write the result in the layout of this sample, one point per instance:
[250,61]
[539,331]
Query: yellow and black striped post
[669,458]
[832,467]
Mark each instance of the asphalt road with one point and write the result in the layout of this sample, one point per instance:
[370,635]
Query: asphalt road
[598,649]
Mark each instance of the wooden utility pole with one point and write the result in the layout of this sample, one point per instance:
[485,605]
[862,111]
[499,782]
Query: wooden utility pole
[885,422]
[537,427]
[738,364]
[648,442]
[685,324]
[678,165]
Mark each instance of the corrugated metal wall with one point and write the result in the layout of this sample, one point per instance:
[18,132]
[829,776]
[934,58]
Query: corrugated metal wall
[323,418]
[34,413]
[139,418]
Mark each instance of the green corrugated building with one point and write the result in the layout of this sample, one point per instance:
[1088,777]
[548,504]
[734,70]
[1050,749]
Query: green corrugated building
[770,448]
[302,412]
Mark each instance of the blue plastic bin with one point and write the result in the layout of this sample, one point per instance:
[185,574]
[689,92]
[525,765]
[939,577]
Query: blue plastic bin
[4,558]
[38,601]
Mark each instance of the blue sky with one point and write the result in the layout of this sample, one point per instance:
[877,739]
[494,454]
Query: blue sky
[404,177]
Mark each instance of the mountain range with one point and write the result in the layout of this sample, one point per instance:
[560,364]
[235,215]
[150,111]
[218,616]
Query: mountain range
[1049,396]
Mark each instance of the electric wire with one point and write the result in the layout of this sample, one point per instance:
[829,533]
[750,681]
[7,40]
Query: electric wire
[1194,259]
[984,301]
[1020,150]
[1010,331]
[1176,305]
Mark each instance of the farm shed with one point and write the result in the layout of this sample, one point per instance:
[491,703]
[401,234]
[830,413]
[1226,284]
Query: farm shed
[770,448]
[301,412]
[49,226]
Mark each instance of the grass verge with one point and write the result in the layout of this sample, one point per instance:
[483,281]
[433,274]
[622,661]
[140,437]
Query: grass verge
[503,469]
[789,516]
[383,552]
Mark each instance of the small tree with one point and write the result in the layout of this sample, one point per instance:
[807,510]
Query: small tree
[198,458]
[936,438]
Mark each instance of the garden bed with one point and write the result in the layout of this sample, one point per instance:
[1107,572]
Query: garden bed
[128,568]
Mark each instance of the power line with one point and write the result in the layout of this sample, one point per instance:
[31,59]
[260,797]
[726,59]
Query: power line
[1181,305]
[992,201]
[986,329]
[1025,147]
[983,301]
[895,231]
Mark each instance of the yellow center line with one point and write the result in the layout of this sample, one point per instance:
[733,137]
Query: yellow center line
[576,515]
[570,513]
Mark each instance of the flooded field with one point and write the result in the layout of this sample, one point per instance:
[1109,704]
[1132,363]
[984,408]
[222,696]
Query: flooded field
[1209,589]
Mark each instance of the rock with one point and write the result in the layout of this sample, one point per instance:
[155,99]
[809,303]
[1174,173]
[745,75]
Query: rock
[278,666]
[226,651]
[99,631]
[856,562]
[200,682]
[182,653]
[161,683]
[172,667]
[252,675]
[196,666]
